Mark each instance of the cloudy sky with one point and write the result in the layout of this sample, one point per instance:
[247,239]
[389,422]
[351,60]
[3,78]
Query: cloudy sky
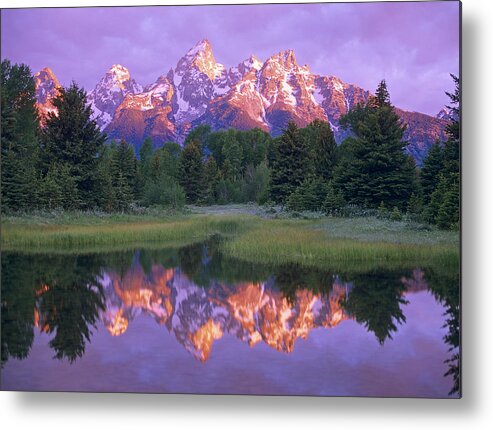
[414,46]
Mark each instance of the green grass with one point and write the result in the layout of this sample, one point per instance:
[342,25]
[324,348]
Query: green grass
[118,232]
[313,244]
[323,243]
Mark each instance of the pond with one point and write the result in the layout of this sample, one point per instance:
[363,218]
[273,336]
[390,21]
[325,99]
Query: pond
[190,320]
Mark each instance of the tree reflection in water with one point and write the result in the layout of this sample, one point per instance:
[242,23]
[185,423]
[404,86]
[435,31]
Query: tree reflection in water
[63,296]
[445,286]
[66,298]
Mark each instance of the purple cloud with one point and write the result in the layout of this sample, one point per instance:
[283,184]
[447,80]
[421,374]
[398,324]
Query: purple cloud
[414,46]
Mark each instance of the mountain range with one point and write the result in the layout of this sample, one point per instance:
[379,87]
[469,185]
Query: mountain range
[255,93]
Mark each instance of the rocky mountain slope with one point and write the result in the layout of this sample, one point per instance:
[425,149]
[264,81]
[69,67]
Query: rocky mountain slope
[252,94]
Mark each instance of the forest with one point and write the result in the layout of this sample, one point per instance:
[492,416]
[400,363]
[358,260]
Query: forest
[64,162]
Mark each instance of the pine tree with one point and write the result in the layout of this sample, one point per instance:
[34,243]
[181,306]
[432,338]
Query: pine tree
[145,157]
[106,191]
[212,177]
[415,205]
[334,201]
[376,168]
[453,129]
[58,189]
[233,155]
[322,145]
[396,215]
[123,192]
[382,210]
[126,164]
[382,96]
[50,193]
[429,175]
[448,212]
[443,207]
[73,139]
[289,166]
[192,172]
[19,143]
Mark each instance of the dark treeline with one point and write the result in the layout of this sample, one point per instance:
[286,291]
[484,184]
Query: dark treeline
[68,163]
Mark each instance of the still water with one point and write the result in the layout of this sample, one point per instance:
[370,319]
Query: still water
[189,320]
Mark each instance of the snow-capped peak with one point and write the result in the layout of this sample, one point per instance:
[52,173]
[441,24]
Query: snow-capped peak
[286,59]
[253,62]
[200,58]
[202,46]
[110,92]
[119,72]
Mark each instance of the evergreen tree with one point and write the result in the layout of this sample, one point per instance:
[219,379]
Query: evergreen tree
[415,205]
[382,210]
[322,145]
[334,201]
[123,192]
[58,189]
[443,207]
[73,139]
[382,96]
[145,154]
[192,172]
[19,127]
[143,171]
[448,212]
[233,156]
[396,215]
[429,175]
[377,169]
[309,196]
[453,129]
[165,162]
[289,166]
[212,177]
[106,190]
[124,164]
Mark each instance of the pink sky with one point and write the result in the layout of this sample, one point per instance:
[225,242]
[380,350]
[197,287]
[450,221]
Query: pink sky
[413,45]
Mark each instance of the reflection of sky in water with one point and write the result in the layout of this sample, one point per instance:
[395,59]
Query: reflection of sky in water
[160,332]
[346,360]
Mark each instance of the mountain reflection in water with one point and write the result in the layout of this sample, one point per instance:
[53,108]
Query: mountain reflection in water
[199,296]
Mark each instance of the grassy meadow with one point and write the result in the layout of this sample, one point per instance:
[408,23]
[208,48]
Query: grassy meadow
[251,234]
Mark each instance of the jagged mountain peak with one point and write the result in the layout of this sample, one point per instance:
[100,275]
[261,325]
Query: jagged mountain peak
[119,72]
[238,72]
[109,93]
[118,77]
[203,46]
[253,62]
[46,85]
[286,59]
[201,58]
[46,74]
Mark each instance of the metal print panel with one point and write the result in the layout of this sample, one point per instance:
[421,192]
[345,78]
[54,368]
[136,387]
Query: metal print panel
[244,199]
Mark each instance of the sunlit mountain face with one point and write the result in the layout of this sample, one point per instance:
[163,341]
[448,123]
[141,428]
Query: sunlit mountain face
[254,94]
[211,308]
